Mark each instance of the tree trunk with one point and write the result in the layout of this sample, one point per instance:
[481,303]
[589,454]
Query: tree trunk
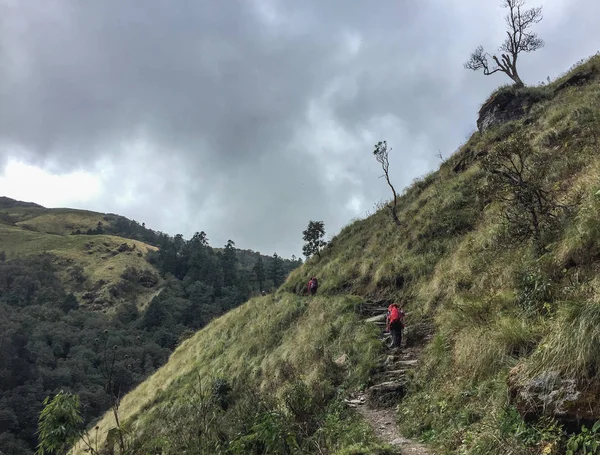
[515,77]
[537,235]
[394,208]
[119,429]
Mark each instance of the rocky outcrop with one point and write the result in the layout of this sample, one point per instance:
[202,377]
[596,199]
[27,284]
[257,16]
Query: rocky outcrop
[549,394]
[504,106]
[577,79]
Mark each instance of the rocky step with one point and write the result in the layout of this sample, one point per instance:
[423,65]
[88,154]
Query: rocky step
[386,394]
[387,376]
[398,361]
[370,308]
[376,318]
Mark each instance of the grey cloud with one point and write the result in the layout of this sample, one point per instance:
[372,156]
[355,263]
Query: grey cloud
[222,92]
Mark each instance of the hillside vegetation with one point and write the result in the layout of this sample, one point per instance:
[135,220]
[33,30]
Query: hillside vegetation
[79,288]
[499,248]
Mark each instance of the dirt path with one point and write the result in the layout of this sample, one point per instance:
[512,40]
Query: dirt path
[388,385]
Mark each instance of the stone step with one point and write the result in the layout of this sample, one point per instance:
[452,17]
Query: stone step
[378,318]
[386,394]
[397,361]
[399,372]
[388,376]
[406,363]
[387,386]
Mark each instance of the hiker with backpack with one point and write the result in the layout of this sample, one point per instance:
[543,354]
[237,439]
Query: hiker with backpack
[395,324]
[313,285]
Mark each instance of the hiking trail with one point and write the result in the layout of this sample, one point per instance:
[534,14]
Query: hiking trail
[377,404]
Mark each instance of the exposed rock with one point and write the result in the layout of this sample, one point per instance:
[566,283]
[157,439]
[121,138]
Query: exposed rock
[390,360]
[386,394]
[123,247]
[341,360]
[503,107]
[577,79]
[551,395]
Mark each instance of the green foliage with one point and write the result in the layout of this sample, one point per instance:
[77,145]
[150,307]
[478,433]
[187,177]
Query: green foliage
[587,442]
[516,179]
[259,273]
[535,291]
[313,236]
[276,272]
[542,433]
[59,424]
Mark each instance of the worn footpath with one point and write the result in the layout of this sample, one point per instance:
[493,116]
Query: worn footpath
[377,404]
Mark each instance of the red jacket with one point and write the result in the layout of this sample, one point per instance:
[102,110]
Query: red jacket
[394,313]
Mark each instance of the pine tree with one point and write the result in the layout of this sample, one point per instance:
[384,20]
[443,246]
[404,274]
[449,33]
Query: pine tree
[277,271]
[259,273]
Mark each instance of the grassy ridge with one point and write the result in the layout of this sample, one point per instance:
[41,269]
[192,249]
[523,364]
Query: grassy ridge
[52,221]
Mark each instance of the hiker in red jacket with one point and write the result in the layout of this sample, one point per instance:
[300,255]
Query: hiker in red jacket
[395,323]
[313,285]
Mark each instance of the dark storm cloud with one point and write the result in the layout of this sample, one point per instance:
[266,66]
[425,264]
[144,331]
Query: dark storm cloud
[250,117]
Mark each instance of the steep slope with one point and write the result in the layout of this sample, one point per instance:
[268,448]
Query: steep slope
[278,363]
[498,249]
[89,266]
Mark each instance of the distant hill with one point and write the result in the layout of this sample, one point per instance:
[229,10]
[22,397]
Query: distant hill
[6,203]
[89,265]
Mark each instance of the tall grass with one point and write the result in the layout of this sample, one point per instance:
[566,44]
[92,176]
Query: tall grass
[265,344]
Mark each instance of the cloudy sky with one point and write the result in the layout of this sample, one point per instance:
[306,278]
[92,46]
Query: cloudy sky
[247,118]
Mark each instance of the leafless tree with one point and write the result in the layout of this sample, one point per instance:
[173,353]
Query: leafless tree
[519,39]
[381,153]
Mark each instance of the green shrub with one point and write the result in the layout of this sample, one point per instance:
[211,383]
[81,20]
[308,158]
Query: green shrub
[586,442]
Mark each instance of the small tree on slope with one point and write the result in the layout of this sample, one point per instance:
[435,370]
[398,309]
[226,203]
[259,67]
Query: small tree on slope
[313,236]
[516,177]
[519,39]
[381,153]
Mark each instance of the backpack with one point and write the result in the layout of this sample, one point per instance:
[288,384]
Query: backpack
[313,284]
[395,315]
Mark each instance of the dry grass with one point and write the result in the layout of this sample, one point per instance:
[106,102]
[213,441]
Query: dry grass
[95,254]
[65,221]
[267,342]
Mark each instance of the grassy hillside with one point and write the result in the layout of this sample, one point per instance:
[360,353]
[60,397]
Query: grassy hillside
[52,221]
[499,248]
[511,306]
[278,354]
[89,265]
